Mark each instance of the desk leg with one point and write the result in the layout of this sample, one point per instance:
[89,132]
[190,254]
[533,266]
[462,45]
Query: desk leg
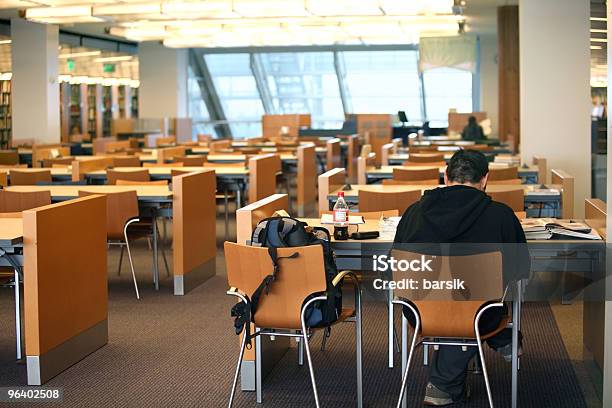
[18,314]
[238,197]
[155,263]
[390,327]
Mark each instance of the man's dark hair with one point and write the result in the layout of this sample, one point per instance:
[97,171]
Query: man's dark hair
[467,166]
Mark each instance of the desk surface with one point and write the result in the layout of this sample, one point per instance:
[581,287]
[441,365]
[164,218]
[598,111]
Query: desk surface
[11,232]
[55,171]
[388,170]
[60,193]
[528,189]
[166,171]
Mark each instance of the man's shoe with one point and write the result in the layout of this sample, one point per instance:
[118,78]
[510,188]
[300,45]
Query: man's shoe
[438,398]
[506,352]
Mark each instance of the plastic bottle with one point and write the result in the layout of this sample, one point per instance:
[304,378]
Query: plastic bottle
[341,218]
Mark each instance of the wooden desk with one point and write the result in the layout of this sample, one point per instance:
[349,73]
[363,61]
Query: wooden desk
[549,201]
[150,194]
[57,173]
[11,232]
[528,173]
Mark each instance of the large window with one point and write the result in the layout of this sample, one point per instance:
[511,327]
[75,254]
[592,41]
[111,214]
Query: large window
[304,82]
[446,88]
[237,90]
[383,82]
[197,108]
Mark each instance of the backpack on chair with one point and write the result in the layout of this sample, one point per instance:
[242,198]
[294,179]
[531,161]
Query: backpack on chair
[286,232]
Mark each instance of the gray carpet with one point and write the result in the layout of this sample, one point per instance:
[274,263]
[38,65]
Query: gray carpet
[167,351]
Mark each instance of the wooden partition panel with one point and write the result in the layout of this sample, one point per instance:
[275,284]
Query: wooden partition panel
[9,157]
[328,182]
[306,178]
[542,170]
[457,121]
[334,159]
[386,151]
[82,167]
[363,162]
[271,125]
[595,215]
[194,215]
[168,153]
[65,284]
[509,75]
[248,216]
[377,130]
[352,154]
[567,191]
[262,176]
[41,152]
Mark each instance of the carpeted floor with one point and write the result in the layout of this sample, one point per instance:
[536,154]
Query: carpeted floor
[167,351]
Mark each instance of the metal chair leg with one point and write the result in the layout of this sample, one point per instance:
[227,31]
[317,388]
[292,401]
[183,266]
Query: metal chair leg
[18,315]
[127,245]
[300,351]
[305,337]
[425,355]
[240,356]
[417,326]
[120,261]
[161,247]
[326,334]
[226,203]
[480,349]
[358,346]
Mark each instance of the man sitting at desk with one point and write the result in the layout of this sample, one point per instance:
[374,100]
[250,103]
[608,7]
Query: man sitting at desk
[473,131]
[462,213]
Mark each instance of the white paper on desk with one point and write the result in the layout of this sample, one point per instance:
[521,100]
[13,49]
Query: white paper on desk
[387,227]
[352,219]
[543,191]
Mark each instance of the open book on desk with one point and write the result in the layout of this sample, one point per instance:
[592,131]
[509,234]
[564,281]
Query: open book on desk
[548,228]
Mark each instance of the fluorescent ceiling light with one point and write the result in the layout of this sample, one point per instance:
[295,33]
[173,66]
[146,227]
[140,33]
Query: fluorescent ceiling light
[156,32]
[344,7]
[414,7]
[125,9]
[210,9]
[5,41]
[79,54]
[599,40]
[598,19]
[596,47]
[597,30]
[271,8]
[115,59]
[57,12]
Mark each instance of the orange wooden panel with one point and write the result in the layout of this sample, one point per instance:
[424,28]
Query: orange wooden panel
[168,153]
[247,217]
[329,181]
[82,167]
[47,151]
[595,214]
[65,284]
[262,176]
[352,153]
[333,154]
[306,177]
[567,191]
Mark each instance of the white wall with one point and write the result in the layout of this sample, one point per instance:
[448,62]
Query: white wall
[555,88]
[35,89]
[163,81]
[489,84]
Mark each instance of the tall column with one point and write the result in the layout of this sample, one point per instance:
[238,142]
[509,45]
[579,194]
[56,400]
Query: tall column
[508,59]
[555,88]
[489,79]
[35,89]
[163,81]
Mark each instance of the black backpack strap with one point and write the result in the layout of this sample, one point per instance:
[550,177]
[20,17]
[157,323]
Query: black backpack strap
[265,283]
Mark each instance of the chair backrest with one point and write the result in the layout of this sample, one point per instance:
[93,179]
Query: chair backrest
[133,175]
[126,161]
[28,177]
[506,173]
[50,162]
[329,182]
[391,200]
[120,208]
[177,172]
[191,160]
[9,157]
[451,313]
[425,157]
[120,182]
[297,279]
[509,181]
[513,198]
[147,164]
[541,162]
[437,164]
[431,175]
[16,201]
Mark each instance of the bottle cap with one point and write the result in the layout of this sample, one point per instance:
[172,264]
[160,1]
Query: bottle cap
[340,193]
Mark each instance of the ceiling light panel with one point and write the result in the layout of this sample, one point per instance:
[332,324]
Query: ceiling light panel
[415,7]
[271,8]
[344,7]
[210,9]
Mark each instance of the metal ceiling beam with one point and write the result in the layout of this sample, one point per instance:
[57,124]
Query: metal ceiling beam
[341,76]
[257,70]
[209,93]
[310,48]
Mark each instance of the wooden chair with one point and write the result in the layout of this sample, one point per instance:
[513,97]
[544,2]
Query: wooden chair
[424,164]
[383,201]
[9,157]
[514,198]
[17,201]
[417,176]
[162,164]
[132,175]
[595,211]
[28,177]
[299,283]
[126,161]
[425,157]
[440,320]
[509,181]
[507,173]
[193,161]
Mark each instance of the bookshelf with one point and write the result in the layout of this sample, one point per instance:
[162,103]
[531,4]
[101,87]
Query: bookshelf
[5,114]
[94,110]
[65,111]
[107,110]
[134,103]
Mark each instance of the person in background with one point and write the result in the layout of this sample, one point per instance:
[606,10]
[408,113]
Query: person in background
[473,131]
[462,213]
